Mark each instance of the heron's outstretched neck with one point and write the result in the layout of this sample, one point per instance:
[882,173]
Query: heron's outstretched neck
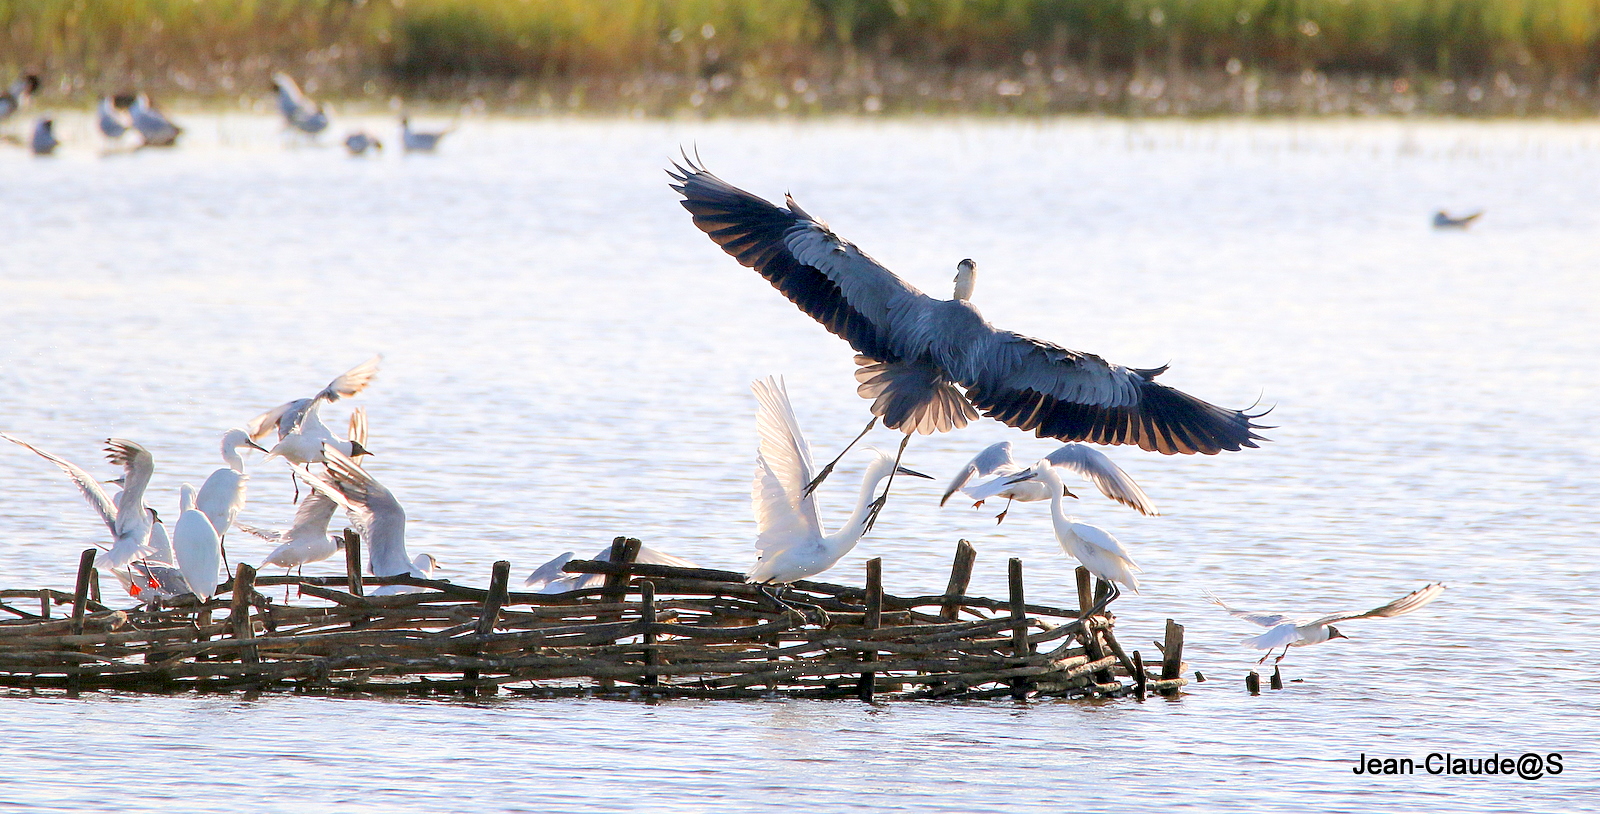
[966,278]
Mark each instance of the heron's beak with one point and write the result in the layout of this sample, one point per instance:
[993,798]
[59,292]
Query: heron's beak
[912,472]
[357,449]
[1026,476]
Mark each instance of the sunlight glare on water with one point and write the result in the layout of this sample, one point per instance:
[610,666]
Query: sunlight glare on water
[567,359]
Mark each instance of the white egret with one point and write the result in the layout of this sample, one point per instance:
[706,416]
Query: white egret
[156,129]
[932,365]
[1086,461]
[419,142]
[223,494]
[1093,546]
[789,538]
[17,95]
[301,433]
[1286,631]
[44,140]
[550,579]
[298,110]
[198,551]
[377,514]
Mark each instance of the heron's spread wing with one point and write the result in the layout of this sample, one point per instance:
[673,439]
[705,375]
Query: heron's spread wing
[1262,619]
[87,485]
[827,277]
[1106,476]
[351,381]
[984,464]
[1400,607]
[784,515]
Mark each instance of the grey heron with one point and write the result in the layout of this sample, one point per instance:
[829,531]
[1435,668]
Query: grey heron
[1443,220]
[1088,462]
[44,141]
[1093,546]
[154,127]
[1286,631]
[415,141]
[17,94]
[789,538]
[298,110]
[126,517]
[550,579]
[932,365]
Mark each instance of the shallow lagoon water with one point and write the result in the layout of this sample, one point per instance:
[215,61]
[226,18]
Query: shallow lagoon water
[567,359]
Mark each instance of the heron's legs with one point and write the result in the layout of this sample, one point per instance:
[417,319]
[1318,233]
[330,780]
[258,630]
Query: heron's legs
[828,470]
[1001,517]
[877,505]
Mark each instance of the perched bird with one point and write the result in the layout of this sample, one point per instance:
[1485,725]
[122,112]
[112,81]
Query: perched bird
[379,516]
[1093,546]
[126,517]
[550,579]
[151,582]
[1442,220]
[160,544]
[44,137]
[298,110]
[17,95]
[417,142]
[1086,461]
[301,434]
[153,125]
[1286,632]
[222,496]
[198,551]
[933,365]
[111,118]
[789,538]
[359,143]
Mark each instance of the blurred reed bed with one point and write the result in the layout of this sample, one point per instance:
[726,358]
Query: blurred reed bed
[663,57]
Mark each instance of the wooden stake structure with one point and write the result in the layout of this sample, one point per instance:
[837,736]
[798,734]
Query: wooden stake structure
[650,629]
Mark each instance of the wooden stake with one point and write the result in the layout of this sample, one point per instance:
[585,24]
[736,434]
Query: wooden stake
[352,561]
[624,550]
[647,612]
[1085,590]
[1277,678]
[499,576]
[244,583]
[1252,683]
[1019,629]
[960,577]
[1139,677]
[80,593]
[1172,665]
[871,621]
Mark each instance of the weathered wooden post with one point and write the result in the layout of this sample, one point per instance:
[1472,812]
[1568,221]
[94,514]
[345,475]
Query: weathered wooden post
[1252,683]
[1172,666]
[1277,678]
[870,621]
[647,614]
[624,550]
[1138,675]
[80,592]
[960,577]
[244,584]
[352,561]
[1091,642]
[499,578]
[1019,619]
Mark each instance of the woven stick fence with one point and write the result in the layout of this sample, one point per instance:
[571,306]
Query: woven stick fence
[649,630]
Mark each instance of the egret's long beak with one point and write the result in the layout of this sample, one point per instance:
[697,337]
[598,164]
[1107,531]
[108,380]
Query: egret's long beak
[254,445]
[1025,476]
[912,472]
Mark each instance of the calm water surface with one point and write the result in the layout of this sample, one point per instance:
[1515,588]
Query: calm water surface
[567,359]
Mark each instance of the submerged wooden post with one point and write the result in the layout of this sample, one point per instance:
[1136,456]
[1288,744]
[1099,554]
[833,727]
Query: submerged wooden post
[499,577]
[1019,629]
[1091,642]
[352,561]
[870,621]
[44,604]
[960,577]
[80,593]
[1277,678]
[1138,675]
[1252,683]
[1172,666]
[244,584]
[647,613]
[1085,590]
[624,550]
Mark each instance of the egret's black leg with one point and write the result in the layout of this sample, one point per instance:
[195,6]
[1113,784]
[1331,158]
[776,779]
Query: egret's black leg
[828,470]
[768,592]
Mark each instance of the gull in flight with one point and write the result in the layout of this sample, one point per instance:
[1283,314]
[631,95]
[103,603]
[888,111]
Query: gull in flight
[126,517]
[307,541]
[932,365]
[1093,546]
[301,434]
[298,110]
[790,542]
[1086,461]
[1442,220]
[1286,631]
[378,516]
[550,579]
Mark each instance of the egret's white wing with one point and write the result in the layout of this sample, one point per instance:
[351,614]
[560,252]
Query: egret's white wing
[86,483]
[1279,636]
[198,552]
[1400,607]
[1262,619]
[549,573]
[784,515]
[985,463]
[1102,539]
[351,381]
[1096,468]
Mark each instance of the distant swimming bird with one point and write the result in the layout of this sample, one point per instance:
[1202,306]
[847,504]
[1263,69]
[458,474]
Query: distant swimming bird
[550,579]
[789,538]
[1286,631]
[375,510]
[17,95]
[126,517]
[153,125]
[1093,546]
[417,142]
[297,108]
[301,433]
[1086,461]
[44,137]
[932,365]
[198,550]
[1442,220]
[111,118]
[359,143]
